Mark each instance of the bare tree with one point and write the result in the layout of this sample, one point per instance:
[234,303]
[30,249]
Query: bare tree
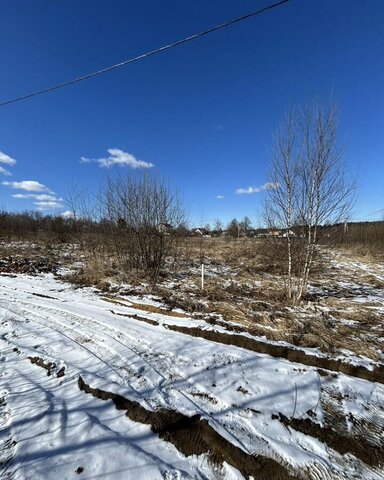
[82,203]
[307,188]
[233,228]
[144,214]
[218,226]
[245,225]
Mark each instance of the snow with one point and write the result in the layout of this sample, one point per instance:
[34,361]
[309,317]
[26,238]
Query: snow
[163,319]
[58,428]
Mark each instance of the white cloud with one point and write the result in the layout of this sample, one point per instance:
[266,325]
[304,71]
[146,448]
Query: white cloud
[86,160]
[28,185]
[118,157]
[251,190]
[219,197]
[22,195]
[43,201]
[48,205]
[4,158]
[270,186]
[40,196]
[5,172]
[248,191]
[68,214]
[45,197]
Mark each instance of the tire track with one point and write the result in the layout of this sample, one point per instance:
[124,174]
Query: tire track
[91,324]
[81,324]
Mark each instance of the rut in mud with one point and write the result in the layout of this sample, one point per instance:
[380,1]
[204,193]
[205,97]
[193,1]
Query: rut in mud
[356,445]
[281,351]
[145,307]
[194,436]
[137,317]
[277,351]
[51,367]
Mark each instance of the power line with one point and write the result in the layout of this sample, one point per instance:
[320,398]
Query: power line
[375,212]
[144,55]
[364,218]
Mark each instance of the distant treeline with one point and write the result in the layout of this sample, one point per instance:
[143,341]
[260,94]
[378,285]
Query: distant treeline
[362,232]
[33,224]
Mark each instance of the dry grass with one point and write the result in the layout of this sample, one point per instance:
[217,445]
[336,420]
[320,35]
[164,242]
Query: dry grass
[144,307]
[250,295]
[369,253]
[373,280]
[242,291]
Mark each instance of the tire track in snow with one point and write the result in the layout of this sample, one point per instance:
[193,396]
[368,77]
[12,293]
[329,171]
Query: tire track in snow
[85,323]
[99,352]
[92,323]
[168,367]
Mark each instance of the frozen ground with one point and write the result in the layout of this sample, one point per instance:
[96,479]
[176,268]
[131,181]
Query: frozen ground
[286,419]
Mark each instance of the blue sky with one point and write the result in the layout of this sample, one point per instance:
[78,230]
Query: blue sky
[201,115]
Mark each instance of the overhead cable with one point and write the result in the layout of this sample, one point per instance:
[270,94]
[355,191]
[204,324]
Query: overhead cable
[144,55]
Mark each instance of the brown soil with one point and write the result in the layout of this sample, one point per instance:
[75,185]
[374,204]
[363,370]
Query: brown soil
[194,436]
[281,351]
[357,445]
[145,307]
[49,366]
[43,296]
[16,264]
[136,317]
[277,351]
[206,396]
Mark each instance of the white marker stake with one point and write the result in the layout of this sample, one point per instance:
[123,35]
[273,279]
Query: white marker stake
[202,276]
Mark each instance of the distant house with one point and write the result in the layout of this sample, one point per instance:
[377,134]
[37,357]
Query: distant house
[288,233]
[200,232]
[260,232]
[267,232]
[165,228]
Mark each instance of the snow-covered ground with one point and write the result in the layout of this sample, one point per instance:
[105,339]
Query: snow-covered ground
[51,429]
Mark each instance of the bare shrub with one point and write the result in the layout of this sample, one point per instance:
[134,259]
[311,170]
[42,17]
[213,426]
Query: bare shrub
[143,214]
[97,267]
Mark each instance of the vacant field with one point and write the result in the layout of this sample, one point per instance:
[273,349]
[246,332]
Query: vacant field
[107,374]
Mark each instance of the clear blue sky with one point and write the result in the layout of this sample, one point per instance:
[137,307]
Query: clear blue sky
[203,114]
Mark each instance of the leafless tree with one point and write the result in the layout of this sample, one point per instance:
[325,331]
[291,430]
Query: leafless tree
[307,188]
[144,214]
[82,203]
[245,226]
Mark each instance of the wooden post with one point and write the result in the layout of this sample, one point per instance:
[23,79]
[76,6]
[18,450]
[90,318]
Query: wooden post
[202,276]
